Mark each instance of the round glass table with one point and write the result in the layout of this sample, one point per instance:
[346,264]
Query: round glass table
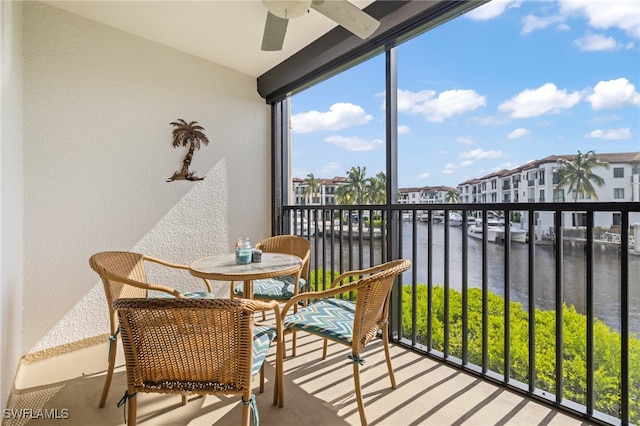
[223,267]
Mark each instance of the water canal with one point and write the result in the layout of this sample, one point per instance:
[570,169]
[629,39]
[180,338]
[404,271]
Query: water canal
[606,270]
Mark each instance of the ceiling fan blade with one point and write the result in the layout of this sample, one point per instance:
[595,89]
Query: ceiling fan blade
[274,31]
[348,16]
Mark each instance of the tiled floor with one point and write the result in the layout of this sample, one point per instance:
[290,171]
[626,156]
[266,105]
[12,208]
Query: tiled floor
[317,392]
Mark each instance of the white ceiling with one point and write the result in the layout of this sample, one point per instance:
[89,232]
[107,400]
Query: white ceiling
[228,32]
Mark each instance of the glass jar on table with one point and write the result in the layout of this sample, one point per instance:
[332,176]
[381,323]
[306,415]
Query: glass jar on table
[243,251]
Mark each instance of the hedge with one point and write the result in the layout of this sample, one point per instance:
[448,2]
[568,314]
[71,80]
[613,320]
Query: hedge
[606,355]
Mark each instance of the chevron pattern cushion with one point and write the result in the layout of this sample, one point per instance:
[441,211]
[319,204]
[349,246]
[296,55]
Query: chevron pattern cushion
[280,288]
[331,318]
[263,335]
[188,295]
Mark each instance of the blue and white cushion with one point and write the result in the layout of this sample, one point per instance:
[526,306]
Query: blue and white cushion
[188,295]
[279,288]
[263,335]
[331,318]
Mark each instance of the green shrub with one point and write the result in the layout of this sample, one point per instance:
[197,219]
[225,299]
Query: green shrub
[607,345]
[320,279]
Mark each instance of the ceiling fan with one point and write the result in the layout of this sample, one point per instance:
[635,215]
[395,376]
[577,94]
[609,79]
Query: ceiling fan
[341,11]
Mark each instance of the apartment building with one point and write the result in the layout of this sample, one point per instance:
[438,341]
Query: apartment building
[424,195]
[325,195]
[537,182]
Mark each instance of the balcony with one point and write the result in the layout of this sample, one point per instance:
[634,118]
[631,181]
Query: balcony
[464,293]
[317,392]
[449,371]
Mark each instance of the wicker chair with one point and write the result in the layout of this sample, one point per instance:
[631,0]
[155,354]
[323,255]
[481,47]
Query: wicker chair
[124,274]
[282,288]
[197,346]
[353,324]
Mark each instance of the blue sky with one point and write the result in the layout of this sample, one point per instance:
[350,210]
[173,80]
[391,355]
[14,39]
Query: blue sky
[510,82]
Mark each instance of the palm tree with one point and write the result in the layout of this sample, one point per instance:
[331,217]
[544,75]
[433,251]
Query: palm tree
[578,175]
[357,182]
[312,187]
[344,196]
[191,135]
[376,189]
[451,196]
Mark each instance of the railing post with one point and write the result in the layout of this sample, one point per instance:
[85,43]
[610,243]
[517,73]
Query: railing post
[559,217]
[589,312]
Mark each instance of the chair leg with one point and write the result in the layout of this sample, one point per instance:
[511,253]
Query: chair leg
[246,409]
[113,344]
[278,391]
[385,339]
[356,379]
[132,410]
[293,338]
[324,348]
[293,343]
[262,378]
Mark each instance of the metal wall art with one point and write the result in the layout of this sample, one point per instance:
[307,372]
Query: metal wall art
[191,135]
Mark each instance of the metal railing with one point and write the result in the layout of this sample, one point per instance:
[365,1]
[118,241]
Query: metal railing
[488,303]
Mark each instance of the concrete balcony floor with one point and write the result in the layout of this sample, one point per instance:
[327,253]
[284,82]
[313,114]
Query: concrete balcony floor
[317,392]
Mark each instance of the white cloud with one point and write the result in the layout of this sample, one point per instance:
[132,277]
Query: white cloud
[491,120]
[437,108]
[596,43]
[423,175]
[403,130]
[299,172]
[518,133]
[622,14]
[532,23]
[481,154]
[340,116]
[465,140]
[545,99]
[610,134]
[505,166]
[329,168]
[604,119]
[600,15]
[450,167]
[491,9]
[354,143]
[614,94]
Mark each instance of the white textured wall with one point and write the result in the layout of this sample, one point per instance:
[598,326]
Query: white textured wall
[97,151]
[11,194]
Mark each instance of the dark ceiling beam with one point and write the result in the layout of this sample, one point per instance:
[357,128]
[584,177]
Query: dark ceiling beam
[339,50]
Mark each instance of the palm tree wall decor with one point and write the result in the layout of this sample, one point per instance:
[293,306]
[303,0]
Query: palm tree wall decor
[191,135]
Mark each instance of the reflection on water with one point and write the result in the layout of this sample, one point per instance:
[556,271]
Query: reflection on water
[606,271]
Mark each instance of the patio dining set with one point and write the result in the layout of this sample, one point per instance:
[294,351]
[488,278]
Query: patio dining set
[192,342]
